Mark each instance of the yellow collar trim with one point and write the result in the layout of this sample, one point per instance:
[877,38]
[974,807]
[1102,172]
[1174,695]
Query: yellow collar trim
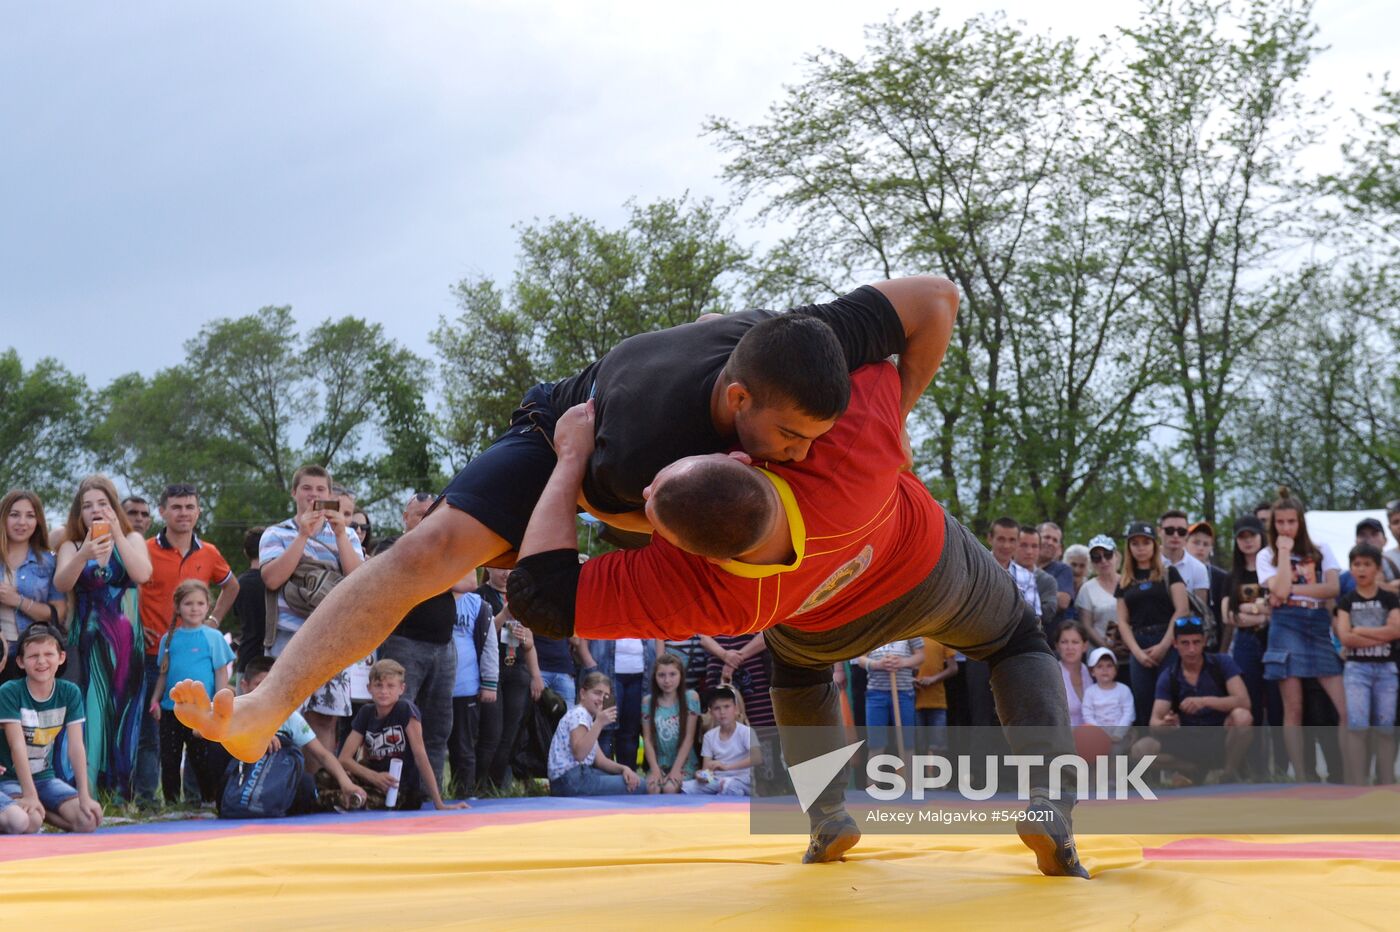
[795,526]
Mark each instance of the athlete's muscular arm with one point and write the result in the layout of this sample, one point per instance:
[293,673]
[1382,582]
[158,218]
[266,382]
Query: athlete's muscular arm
[927,306]
[542,589]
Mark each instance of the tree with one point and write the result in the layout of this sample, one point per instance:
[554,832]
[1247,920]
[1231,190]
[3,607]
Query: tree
[1369,185]
[1327,422]
[254,400]
[579,290]
[1211,120]
[44,416]
[972,151]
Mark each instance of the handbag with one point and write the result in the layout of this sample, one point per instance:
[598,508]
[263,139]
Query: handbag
[306,588]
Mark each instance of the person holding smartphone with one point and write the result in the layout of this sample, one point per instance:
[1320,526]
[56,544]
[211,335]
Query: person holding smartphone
[318,532]
[101,562]
[575,767]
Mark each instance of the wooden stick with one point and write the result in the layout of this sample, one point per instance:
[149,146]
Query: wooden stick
[898,720]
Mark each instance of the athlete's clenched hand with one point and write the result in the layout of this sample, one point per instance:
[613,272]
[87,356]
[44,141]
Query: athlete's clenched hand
[573,434]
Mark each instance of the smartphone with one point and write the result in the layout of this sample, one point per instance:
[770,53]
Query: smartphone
[100,528]
[326,504]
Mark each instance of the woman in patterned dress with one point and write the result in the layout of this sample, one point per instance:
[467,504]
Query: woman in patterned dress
[102,561]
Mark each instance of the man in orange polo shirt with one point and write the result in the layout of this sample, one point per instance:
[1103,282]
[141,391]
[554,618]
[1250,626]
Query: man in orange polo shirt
[176,554]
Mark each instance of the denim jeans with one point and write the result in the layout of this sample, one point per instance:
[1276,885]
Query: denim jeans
[147,777]
[1371,690]
[429,673]
[933,730]
[879,716]
[563,684]
[629,718]
[587,780]
[1143,680]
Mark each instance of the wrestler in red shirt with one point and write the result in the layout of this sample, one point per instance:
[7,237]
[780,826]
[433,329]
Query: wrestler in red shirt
[861,531]
[836,554]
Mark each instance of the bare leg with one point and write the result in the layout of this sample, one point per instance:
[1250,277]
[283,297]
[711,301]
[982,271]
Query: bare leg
[70,817]
[1332,685]
[353,620]
[325,728]
[1291,689]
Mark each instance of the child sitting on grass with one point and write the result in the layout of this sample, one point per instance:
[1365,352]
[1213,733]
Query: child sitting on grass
[575,767]
[670,715]
[725,752]
[391,729]
[34,713]
[336,789]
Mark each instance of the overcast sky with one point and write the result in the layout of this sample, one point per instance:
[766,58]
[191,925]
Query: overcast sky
[164,164]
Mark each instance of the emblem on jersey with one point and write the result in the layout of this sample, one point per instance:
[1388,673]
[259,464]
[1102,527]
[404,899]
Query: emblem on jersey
[843,577]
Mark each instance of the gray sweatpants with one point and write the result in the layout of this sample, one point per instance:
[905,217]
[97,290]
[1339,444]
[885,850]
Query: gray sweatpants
[967,602]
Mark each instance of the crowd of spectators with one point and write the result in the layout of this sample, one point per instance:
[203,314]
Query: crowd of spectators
[1155,629]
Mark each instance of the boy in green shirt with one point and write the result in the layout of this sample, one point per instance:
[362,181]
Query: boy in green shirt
[34,712]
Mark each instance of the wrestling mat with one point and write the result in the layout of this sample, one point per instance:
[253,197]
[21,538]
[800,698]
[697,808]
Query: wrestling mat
[668,863]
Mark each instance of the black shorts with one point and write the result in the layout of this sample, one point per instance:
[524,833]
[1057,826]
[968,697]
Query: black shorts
[500,487]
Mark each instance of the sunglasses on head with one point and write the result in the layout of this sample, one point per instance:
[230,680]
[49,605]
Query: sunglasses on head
[1174,532]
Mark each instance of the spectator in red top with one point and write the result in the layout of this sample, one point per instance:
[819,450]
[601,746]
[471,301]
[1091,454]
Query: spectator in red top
[176,554]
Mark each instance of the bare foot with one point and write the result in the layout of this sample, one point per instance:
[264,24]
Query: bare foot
[234,722]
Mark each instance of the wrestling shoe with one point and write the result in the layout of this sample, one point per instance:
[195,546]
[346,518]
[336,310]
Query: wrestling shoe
[832,838]
[1052,840]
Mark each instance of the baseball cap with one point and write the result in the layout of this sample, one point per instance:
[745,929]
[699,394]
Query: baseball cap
[1140,529]
[1370,524]
[1202,527]
[1248,523]
[1099,653]
[1102,542]
[1189,625]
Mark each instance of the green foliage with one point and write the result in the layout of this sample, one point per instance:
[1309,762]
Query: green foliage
[980,152]
[254,400]
[579,290]
[1211,122]
[44,415]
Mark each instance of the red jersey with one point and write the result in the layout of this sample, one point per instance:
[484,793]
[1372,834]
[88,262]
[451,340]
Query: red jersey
[864,531]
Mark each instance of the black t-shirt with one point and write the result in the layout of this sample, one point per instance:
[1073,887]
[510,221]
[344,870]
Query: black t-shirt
[1219,589]
[554,655]
[652,391]
[1149,603]
[1369,613]
[250,608]
[386,739]
[430,621]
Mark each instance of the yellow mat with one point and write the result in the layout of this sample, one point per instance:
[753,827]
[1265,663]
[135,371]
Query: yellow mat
[694,868]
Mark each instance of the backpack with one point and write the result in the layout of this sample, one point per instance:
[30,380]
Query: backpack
[541,720]
[1202,611]
[1212,665]
[264,789]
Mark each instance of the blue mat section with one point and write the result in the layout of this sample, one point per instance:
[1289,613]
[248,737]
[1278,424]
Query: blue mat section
[537,804]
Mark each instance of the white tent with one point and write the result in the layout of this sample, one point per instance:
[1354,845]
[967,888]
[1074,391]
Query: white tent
[1337,529]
